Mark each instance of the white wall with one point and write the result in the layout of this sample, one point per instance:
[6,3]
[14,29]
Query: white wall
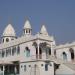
[60,55]
[40,70]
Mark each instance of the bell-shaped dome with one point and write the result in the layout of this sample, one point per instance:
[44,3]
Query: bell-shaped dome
[43,30]
[27,25]
[9,31]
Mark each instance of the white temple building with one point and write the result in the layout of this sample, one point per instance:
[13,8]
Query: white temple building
[34,54]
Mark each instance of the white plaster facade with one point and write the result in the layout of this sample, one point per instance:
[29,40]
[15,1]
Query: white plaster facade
[34,54]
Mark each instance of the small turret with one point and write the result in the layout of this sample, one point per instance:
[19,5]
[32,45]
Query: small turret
[43,30]
[8,34]
[27,28]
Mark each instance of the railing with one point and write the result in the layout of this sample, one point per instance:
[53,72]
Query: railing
[37,57]
[1,73]
[10,74]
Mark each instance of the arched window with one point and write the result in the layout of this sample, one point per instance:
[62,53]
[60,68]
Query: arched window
[29,30]
[40,53]
[36,52]
[26,31]
[7,39]
[48,52]
[34,44]
[72,53]
[64,56]
[3,40]
[27,52]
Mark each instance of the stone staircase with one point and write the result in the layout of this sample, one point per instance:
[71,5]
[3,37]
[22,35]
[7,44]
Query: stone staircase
[60,61]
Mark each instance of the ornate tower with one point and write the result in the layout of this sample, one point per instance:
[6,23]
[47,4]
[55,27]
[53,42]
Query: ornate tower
[27,28]
[8,34]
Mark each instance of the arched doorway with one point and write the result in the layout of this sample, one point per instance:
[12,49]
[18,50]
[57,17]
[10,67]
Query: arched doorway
[72,53]
[36,48]
[64,56]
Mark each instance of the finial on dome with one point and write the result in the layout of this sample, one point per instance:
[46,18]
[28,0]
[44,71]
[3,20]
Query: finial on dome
[9,31]
[27,25]
[43,30]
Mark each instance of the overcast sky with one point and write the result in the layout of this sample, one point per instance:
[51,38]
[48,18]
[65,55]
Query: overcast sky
[57,15]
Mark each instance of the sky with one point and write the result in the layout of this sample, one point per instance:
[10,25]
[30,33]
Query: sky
[57,15]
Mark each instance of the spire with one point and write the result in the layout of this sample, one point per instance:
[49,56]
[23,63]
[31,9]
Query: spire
[43,30]
[9,31]
[27,25]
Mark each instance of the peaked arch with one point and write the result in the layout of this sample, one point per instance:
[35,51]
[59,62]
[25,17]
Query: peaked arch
[72,53]
[64,56]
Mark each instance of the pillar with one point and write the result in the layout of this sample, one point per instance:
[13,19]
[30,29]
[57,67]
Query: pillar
[3,69]
[15,69]
[0,68]
[38,48]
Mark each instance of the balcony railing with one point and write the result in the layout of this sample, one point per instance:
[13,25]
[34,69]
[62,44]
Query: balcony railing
[37,57]
[1,73]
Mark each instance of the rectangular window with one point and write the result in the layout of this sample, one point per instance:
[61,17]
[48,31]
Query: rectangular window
[0,53]
[18,49]
[47,54]
[46,67]
[13,50]
[6,52]
[9,51]
[3,53]
[24,67]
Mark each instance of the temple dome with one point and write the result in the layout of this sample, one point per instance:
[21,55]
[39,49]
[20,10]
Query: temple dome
[27,25]
[43,30]
[9,31]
